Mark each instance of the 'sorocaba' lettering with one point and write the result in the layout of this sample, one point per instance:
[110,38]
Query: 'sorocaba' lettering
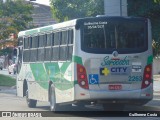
[106,61]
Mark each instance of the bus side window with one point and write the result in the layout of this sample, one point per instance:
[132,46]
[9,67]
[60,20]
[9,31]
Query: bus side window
[70,37]
[33,51]
[55,48]
[34,42]
[26,55]
[40,50]
[48,48]
[63,46]
[26,43]
[49,39]
[52,41]
[33,55]
[42,40]
[70,44]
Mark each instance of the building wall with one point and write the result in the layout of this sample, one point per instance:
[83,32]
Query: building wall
[42,15]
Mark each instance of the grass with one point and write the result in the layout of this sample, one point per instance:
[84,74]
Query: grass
[7,81]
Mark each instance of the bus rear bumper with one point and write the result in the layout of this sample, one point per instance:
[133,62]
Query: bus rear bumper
[102,95]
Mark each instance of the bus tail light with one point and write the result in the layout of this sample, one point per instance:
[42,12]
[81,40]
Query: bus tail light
[147,76]
[82,76]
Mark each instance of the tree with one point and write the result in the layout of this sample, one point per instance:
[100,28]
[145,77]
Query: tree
[149,9]
[157,1]
[70,9]
[14,17]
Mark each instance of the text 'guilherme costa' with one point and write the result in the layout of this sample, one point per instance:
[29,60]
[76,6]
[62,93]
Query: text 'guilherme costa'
[143,114]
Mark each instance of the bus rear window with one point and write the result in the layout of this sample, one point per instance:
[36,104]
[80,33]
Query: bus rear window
[124,36]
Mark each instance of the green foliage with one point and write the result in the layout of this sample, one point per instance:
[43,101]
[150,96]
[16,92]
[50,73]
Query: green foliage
[6,51]
[156,48]
[7,81]
[149,9]
[70,9]
[14,17]
[157,1]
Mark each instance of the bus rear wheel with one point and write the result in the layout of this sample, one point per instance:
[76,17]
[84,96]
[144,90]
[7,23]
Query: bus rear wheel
[30,102]
[53,105]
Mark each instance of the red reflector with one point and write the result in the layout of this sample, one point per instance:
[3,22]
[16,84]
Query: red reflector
[82,76]
[147,76]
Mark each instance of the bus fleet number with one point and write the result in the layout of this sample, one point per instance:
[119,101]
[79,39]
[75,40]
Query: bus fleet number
[135,78]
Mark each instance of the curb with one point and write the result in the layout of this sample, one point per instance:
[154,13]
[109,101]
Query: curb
[7,87]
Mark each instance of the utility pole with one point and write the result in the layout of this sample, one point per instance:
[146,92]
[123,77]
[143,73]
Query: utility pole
[115,7]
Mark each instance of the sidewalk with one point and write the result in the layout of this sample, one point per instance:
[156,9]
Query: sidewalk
[156,77]
[156,85]
[8,90]
[2,88]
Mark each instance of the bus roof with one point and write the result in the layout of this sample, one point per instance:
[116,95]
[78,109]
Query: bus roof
[75,22]
[48,28]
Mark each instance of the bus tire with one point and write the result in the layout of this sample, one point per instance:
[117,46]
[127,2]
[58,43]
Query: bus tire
[53,105]
[30,102]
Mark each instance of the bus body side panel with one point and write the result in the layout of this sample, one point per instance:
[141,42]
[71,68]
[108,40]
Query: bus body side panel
[64,84]
[37,81]
[20,81]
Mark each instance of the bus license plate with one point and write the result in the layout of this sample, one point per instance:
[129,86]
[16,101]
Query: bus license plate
[115,87]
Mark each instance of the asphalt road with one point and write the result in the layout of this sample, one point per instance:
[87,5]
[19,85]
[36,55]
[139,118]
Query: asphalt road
[10,102]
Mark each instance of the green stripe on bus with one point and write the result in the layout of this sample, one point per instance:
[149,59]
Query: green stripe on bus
[150,60]
[46,29]
[31,32]
[40,74]
[56,75]
[51,71]
[64,67]
[77,60]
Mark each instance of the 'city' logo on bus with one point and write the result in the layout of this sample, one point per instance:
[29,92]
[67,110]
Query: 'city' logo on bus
[104,71]
[120,70]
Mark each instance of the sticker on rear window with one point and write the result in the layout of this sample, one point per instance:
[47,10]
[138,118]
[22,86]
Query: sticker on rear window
[104,71]
[136,67]
[93,79]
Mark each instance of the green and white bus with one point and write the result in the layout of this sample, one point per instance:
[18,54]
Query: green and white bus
[106,60]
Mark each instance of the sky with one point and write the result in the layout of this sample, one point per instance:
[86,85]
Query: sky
[45,2]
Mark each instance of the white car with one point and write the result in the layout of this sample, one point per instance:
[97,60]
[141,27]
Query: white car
[12,69]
